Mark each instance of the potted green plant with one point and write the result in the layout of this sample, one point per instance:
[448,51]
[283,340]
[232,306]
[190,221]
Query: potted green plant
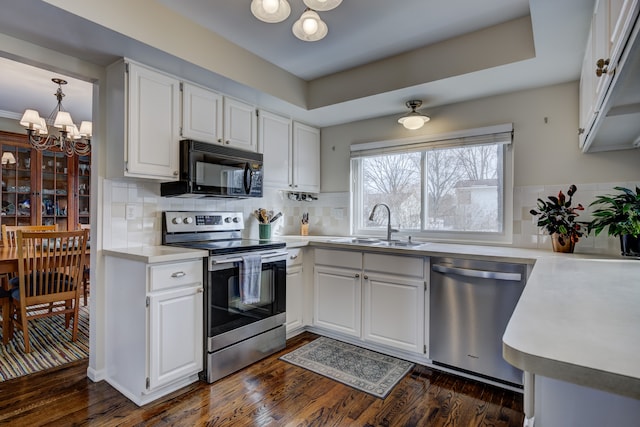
[620,215]
[558,218]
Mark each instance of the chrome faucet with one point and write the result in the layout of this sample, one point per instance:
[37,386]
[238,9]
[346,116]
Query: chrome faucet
[389,229]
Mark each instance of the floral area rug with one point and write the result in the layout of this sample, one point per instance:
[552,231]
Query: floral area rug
[362,369]
[51,346]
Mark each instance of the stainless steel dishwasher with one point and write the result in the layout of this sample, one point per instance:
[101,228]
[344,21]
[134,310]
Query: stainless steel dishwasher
[471,302]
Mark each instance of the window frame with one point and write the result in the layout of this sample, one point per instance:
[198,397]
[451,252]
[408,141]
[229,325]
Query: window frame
[422,144]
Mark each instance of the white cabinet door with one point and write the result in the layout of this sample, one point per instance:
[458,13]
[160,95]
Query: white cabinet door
[274,136]
[337,299]
[394,311]
[153,124]
[295,294]
[240,125]
[201,114]
[175,335]
[306,158]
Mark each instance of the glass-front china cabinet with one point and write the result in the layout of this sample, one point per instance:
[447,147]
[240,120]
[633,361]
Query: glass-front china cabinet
[43,187]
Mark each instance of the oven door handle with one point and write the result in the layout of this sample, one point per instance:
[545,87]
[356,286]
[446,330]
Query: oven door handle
[265,256]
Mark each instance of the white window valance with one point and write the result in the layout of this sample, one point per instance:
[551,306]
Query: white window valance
[499,134]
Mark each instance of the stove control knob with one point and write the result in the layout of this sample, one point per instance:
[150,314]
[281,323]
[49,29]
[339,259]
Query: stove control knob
[227,219]
[236,219]
[177,220]
[188,220]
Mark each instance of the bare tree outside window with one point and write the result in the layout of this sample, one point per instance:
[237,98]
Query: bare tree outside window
[394,180]
[442,189]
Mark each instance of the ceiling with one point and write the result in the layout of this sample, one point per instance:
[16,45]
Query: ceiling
[363,34]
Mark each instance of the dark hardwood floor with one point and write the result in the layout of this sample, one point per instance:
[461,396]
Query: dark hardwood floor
[268,393]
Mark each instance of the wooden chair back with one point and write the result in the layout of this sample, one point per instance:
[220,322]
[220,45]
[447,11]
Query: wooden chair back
[50,268]
[9,232]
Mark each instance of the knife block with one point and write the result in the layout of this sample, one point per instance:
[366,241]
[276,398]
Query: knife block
[304,229]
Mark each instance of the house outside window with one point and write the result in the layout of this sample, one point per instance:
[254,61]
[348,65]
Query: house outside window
[453,187]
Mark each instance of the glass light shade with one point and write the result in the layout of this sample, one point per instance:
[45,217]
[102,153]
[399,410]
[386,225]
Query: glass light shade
[86,129]
[8,158]
[271,11]
[413,120]
[310,27]
[30,119]
[322,5]
[63,120]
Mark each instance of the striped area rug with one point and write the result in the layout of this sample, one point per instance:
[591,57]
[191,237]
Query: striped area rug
[51,346]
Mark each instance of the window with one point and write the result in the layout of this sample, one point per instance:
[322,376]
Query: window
[454,187]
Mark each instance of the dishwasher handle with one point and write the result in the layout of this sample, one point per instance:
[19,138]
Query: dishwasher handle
[482,274]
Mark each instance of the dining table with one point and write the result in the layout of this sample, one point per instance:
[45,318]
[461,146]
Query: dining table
[9,265]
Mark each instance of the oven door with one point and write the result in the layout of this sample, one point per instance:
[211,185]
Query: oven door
[229,318]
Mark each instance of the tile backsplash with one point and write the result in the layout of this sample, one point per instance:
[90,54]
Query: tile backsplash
[135,210]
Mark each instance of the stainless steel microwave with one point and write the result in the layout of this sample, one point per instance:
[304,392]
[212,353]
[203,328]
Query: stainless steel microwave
[210,170]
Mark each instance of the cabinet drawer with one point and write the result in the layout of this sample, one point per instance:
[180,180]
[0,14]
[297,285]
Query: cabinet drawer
[393,264]
[333,258]
[294,257]
[173,275]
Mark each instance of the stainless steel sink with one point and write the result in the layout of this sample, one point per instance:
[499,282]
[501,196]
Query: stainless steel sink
[398,243]
[369,241]
[356,240]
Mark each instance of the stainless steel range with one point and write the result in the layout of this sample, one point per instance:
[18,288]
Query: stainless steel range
[245,288]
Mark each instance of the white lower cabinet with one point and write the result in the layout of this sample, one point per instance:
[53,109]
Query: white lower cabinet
[338,299]
[175,346]
[394,311]
[154,326]
[295,291]
[375,297]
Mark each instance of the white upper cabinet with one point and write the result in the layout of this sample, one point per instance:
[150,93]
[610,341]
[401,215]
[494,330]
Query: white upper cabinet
[143,118]
[274,136]
[240,125]
[208,116]
[291,153]
[611,34]
[305,158]
[201,114]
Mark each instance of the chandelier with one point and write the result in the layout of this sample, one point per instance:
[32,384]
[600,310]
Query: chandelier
[309,27]
[413,120]
[71,140]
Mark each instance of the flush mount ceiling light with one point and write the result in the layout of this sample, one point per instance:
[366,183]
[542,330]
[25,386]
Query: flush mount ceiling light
[71,139]
[413,120]
[271,11]
[322,5]
[309,27]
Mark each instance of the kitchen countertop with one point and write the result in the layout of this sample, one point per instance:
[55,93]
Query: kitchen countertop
[156,254]
[577,319]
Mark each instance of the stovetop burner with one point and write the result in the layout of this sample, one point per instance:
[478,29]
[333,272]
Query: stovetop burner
[230,246]
[217,232]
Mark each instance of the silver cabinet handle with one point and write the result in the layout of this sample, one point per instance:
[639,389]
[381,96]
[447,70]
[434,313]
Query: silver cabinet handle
[200,290]
[357,275]
[366,277]
[178,274]
[476,273]
[293,257]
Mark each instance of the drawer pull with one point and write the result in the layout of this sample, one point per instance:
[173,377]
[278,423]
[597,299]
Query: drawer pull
[178,274]
[293,257]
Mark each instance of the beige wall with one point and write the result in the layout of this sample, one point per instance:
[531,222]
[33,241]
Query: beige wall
[545,152]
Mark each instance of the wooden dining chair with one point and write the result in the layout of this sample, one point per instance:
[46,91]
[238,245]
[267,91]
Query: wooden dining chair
[86,273]
[50,266]
[9,232]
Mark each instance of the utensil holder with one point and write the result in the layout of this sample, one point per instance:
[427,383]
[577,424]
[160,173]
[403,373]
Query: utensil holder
[264,231]
[304,229]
